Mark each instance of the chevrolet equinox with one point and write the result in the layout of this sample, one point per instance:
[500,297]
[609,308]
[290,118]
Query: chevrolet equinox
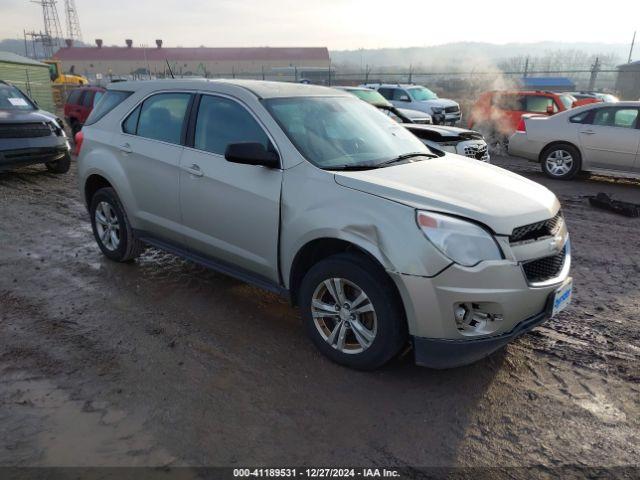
[314,194]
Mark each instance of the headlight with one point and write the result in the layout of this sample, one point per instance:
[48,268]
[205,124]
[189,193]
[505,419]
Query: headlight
[463,242]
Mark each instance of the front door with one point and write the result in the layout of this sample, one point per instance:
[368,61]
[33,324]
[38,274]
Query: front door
[611,141]
[230,212]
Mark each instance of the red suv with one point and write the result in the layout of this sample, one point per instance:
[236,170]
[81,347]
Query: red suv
[79,104]
[499,112]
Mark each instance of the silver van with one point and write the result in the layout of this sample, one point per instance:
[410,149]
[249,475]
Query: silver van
[314,194]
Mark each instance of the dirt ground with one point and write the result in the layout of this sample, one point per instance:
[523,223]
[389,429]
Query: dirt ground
[162,362]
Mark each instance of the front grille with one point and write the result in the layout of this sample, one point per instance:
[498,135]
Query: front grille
[453,109]
[479,152]
[537,230]
[545,268]
[24,130]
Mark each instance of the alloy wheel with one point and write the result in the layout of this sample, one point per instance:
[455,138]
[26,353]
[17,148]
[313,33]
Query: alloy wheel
[344,315]
[107,226]
[559,163]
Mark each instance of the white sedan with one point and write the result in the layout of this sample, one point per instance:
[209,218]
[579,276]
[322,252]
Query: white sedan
[599,137]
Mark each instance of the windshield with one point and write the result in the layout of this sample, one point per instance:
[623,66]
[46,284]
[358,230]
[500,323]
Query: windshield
[342,132]
[13,99]
[567,100]
[421,93]
[371,96]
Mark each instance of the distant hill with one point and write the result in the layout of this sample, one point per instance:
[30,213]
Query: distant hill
[469,55]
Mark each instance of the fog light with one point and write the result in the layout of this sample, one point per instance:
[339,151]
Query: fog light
[459,313]
[477,318]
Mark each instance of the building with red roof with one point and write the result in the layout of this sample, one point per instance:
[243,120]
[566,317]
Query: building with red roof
[105,62]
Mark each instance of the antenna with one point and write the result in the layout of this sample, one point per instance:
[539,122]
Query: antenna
[52,37]
[631,49]
[73,23]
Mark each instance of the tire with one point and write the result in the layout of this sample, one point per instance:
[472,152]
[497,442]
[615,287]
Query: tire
[60,166]
[561,161]
[108,215]
[75,128]
[370,339]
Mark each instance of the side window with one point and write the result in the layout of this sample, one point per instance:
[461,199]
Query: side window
[616,117]
[222,121]
[87,100]
[386,93]
[74,96]
[508,102]
[130,125]
[162,117]
[401,95]
[110,100]
[537,104]
[581,117]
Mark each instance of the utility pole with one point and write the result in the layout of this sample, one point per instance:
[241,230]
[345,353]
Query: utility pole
[633,41]
[526,67]
[410,73]
[595,68]
[73,23]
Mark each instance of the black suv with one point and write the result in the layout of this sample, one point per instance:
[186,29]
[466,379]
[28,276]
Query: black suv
[29,135]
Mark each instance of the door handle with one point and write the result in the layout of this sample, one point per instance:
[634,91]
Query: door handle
[125,148]
[195,170]
[588,132]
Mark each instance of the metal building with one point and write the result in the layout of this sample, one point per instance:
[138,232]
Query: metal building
[30,76]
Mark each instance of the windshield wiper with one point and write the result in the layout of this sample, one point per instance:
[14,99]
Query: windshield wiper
[406,156]
[345,168]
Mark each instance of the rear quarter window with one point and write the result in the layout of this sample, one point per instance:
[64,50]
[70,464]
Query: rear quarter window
[110,100]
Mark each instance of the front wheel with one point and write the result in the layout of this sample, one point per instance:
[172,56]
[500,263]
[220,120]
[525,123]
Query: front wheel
[60,166]
[561,162]
[352,312]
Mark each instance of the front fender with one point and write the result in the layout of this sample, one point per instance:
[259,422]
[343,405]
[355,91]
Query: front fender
[314,206]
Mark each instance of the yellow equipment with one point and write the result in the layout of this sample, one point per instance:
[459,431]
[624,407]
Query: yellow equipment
[60,78]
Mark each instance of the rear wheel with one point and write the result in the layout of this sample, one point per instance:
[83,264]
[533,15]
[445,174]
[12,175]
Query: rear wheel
[561,161]
[60,166]
[111,227]
[352,312]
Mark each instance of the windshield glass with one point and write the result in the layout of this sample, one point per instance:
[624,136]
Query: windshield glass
[13,99]
[421,93]
[567,100]
[371,96]
[335,132]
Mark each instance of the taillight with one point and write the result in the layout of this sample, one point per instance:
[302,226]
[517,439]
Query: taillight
[79,138]
[522,126]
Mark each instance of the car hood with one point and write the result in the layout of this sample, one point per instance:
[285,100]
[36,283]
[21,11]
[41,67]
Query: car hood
[413,113]
[455,185]
[443,133]
[29,116]
[439,102]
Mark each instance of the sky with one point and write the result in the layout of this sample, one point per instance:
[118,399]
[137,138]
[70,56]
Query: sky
[337,24]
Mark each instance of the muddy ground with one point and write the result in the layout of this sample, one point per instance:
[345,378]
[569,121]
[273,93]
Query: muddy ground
[162,362]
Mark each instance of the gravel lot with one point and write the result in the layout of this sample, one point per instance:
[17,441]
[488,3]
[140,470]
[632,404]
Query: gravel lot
[162,362]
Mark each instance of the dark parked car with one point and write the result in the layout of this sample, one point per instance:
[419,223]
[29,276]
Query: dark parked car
[29,135]
[79,105]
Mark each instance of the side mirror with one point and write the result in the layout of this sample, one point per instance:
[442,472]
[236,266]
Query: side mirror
[249,153]
[550,110]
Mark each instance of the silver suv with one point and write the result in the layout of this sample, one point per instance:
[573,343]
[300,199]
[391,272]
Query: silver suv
[312,193]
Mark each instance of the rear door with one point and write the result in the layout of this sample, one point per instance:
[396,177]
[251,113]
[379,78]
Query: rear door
[230,212]
[612,139]
[149,149]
